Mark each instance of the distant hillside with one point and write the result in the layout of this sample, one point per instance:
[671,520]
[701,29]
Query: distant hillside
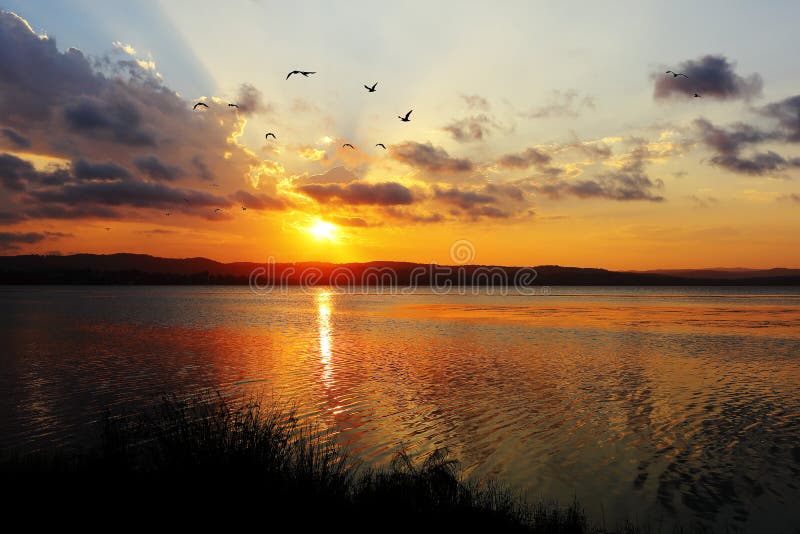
[144,269]
[737,273]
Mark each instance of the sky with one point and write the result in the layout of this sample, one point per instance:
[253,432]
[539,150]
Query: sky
[541,132]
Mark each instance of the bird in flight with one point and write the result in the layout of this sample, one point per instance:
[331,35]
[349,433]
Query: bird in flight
[233,106]
[167,214]
[676,74]
[348,145]
[268,134]
[107,228]
[217,210]
[371,89]
[200,104]
[303,72]
[381,145]
[244,208]
[697,96]
[405,119]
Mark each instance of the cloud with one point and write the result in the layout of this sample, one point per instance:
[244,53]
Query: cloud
[251,101]
[562,104]
[129,193]
[336,175]
[16,174]
[353,222]
[711,76]
[357,193]
[156,169]
[476,102]
[525,159]
[429,158]
[13,240]
[470,129]
[83,170]
[626,181]
[463,199]
[787,112]
[727,143]
[94,111]
[17,140]
[258,201]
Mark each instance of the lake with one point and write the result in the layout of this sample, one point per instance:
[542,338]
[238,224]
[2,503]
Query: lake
[660,405]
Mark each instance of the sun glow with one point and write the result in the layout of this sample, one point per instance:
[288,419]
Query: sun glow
[323,230]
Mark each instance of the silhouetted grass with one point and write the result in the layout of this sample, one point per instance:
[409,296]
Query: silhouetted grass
[208,460]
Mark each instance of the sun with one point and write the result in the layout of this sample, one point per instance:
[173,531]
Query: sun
[323,230]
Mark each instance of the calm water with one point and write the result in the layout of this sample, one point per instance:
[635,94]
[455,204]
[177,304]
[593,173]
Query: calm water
[657,404]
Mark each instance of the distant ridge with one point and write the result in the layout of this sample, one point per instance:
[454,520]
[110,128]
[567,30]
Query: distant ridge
[126,268]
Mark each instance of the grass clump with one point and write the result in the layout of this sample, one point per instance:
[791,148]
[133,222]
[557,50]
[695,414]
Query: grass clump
[209,460]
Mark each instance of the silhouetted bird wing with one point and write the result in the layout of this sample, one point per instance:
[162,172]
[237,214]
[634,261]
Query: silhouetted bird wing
[307,72]
[682,74]
[381,145]
[199,104]
[233,106]
[293,72]
[347,144]
[407,114]
[268,134]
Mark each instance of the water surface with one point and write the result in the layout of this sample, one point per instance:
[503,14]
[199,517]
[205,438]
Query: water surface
[661,405]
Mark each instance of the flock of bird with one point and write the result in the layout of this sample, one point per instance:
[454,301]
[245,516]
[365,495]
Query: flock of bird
[370,89]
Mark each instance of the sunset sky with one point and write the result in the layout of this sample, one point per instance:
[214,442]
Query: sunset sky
[542,132]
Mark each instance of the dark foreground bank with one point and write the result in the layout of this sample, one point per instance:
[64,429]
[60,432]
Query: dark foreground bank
[208,461]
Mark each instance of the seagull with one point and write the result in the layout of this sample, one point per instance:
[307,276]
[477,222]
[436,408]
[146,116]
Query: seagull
[303,72]
[697,96]
[217,210]
[348,144]
[244,208]
[676,74]
[371,89]
[233,106]
[381,145]
[405,119]
[200,104]
[167,214]
[268,134]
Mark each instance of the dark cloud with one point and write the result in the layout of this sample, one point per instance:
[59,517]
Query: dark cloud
[258,202]
[13,240]
[94,111]
[794,197]
[405,215]
[728,143]
[525,159]
[463,199]
[627,182]
[787,112]
[427,157]
[7,217]
[17,174]
[476,102]
[357,193]
[83,170]
[562,104]
[202,169]
[153,167]
[612,186]
[133,194]
[117,118]
[470,129]
[251,101]
[17,140]
[711,76]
